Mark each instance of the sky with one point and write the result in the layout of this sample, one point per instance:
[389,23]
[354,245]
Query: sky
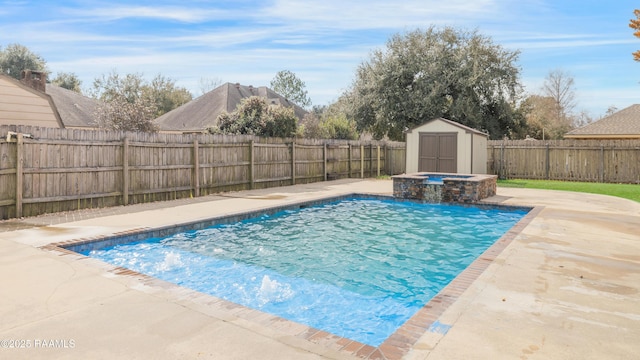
[323,42]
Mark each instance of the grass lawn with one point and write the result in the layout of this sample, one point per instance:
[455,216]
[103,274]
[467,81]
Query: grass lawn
[627,191]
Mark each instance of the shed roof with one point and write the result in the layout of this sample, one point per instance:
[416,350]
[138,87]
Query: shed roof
[203,111]
[451,122]
[622,124]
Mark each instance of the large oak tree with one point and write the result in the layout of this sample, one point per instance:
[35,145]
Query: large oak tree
[425,74]
[559,88]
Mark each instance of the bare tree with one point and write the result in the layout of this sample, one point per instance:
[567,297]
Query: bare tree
[582,118]
[611,110]
[208,84]
[559,85]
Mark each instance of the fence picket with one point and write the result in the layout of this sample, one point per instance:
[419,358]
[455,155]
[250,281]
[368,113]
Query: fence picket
[62,169]
[615,161]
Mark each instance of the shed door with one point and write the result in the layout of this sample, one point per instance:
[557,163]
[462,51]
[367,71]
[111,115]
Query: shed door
[438,152]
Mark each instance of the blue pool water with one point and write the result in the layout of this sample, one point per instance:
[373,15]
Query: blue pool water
[358,268]
[435,180]
[438,179]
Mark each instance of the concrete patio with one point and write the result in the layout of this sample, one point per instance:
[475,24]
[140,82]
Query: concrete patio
[566,287]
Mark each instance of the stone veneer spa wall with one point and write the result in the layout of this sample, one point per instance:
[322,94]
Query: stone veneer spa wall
[444,187]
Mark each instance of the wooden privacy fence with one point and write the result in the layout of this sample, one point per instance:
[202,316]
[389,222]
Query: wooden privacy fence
[610,161]
[46,170]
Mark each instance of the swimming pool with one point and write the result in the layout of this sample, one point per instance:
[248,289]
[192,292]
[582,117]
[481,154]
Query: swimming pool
[333,266]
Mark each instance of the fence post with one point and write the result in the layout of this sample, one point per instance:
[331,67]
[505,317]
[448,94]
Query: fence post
[547,165]
[378,147]
[370,160]
[493,165]
[19,173]
[350,159]
[361,161]
[324,160]
[500,174]
[251,165]
[601,163]
[125,171]
[293,163]
[196,167]
[385,151]
[391,165]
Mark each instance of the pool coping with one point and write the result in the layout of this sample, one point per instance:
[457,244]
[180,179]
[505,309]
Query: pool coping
[396,346]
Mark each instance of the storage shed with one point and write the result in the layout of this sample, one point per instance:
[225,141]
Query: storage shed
[442,145]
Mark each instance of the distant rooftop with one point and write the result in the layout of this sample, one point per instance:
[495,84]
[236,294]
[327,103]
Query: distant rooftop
[76,110]
[624,124]
[202,112]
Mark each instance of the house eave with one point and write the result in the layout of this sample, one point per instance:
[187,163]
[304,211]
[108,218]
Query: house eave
[602,136]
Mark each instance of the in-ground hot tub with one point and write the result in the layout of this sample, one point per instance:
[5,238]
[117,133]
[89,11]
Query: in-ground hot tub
[444,187]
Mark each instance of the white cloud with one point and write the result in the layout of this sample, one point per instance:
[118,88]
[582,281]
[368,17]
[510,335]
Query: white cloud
[376,14]
[564,42]
[187,14]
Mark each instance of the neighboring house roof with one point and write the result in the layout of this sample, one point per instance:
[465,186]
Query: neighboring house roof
[202,112]
[76,110]
[23,105]
[450,122]
[624,124]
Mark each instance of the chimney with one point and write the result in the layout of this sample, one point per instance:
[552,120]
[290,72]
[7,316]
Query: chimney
[34,79]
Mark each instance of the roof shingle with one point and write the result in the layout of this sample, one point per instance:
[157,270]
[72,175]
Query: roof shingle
[76,110]
[202,112]
[622,124]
